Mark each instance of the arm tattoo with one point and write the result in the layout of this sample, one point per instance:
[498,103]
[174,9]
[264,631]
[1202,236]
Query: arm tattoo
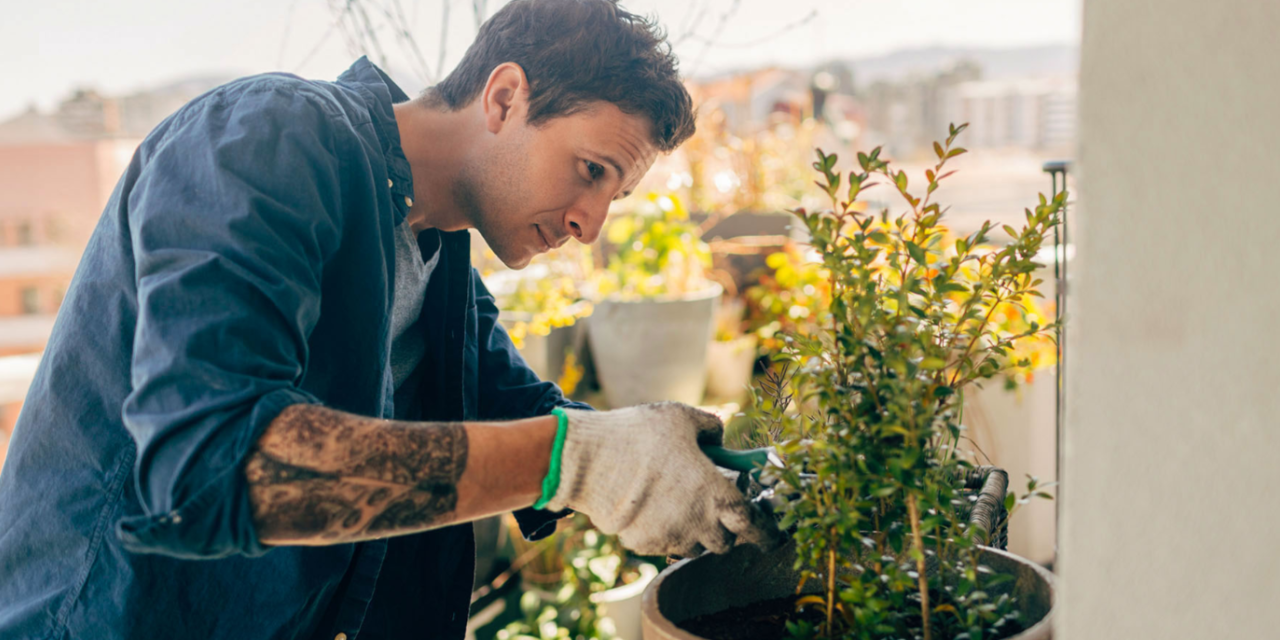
[319,475]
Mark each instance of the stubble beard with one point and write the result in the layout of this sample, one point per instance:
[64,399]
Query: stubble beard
[484,216]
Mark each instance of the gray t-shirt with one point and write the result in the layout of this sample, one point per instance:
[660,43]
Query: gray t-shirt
[407,344]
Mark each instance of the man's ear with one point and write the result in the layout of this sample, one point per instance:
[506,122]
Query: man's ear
[505,97]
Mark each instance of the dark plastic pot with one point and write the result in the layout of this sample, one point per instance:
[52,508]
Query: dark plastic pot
[713,583]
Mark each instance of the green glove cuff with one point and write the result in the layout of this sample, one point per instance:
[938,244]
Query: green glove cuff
[552,482]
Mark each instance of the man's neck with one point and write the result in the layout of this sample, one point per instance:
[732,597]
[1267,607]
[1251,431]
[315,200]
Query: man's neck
[436,142]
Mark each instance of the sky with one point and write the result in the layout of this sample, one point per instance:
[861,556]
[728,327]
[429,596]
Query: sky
[51,47]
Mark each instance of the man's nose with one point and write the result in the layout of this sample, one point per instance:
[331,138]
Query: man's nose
[585,218]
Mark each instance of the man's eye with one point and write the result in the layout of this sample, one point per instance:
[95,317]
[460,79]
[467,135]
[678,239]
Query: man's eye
[594,170]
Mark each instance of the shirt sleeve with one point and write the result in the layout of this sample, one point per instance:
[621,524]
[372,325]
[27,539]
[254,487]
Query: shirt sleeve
[234,213]
[510,389]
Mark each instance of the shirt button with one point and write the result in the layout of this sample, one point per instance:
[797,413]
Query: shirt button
[340,636]
[408,202]
[390,183]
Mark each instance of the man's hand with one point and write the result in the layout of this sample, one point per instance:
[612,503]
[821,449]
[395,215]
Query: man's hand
[638,472]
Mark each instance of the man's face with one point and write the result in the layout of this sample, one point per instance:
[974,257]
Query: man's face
[534,188]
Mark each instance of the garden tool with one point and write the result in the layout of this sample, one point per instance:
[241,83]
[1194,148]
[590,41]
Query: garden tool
[761,489]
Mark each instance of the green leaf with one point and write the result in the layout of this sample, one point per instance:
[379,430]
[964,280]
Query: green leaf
[916,252]
[855,185]
[937,148]
[1009,500]
[933,364]
[956,151]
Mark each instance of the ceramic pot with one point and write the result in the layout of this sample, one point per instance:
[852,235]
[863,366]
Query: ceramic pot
[653,350]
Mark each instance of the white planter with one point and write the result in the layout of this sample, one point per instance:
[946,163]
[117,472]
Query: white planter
[622,604]
[653,350]
[729,367]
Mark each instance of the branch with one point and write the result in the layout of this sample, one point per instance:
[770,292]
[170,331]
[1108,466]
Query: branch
[757,42]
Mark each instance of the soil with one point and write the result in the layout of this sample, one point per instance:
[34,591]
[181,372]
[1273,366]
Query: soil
[765,620]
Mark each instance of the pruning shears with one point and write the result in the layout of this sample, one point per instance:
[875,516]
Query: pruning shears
[750,463]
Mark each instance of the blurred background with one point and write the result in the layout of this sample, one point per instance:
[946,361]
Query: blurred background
[87,81]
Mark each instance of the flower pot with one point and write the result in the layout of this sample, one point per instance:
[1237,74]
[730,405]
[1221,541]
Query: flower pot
[653,350]
[729,365]
[544,354]
[746,575]
[622,604]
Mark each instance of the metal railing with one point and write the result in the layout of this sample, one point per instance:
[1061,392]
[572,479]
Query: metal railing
[1057,170]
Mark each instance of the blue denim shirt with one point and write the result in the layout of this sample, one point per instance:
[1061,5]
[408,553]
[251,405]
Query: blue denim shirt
[243,264]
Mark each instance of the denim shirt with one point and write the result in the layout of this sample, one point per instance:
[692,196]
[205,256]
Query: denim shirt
[244,263]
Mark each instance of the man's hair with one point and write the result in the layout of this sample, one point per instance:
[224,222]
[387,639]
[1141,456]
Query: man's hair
[574,53]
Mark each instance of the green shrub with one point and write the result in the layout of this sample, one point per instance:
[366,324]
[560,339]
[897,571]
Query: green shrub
[915,317]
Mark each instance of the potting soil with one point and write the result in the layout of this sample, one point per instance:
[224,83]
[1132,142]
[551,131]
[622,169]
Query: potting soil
[765,620]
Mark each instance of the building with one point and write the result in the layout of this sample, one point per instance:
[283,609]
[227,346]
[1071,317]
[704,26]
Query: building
[57,171]
[1035,114]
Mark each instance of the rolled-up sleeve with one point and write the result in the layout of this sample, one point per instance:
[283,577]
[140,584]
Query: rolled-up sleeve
[232,218]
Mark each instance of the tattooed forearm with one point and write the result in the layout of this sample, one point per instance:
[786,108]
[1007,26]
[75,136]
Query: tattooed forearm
[320,476]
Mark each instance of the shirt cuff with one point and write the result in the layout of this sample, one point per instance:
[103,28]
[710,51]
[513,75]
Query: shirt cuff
[217,521]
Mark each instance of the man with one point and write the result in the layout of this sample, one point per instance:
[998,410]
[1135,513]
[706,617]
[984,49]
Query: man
[275,386]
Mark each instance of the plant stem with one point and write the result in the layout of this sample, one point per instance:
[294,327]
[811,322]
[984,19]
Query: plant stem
[831,587]
[918,539]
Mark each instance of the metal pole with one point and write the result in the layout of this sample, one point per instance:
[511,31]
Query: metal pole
[1058,169]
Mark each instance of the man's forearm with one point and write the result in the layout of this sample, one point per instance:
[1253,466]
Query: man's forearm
[320,476]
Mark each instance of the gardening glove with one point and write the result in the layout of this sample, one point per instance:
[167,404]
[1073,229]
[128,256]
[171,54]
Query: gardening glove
[638,472]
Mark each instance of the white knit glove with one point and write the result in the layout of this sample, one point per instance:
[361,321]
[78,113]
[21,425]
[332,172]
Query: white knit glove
[638,472]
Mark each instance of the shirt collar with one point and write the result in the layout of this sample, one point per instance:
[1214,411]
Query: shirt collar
[381,93]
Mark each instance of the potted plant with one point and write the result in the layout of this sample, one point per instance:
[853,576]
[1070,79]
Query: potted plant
[651,325]
[886,542]
[731,355]
[579,584]
[540,307]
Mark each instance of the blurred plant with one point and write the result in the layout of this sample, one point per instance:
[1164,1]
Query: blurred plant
[571,374]
[585,562]
[914,319]
[542,304]
[791,301]
[657,252]
[545,296]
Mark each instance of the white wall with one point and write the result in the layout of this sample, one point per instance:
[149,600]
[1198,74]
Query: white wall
[1172,468]
[1016,429]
